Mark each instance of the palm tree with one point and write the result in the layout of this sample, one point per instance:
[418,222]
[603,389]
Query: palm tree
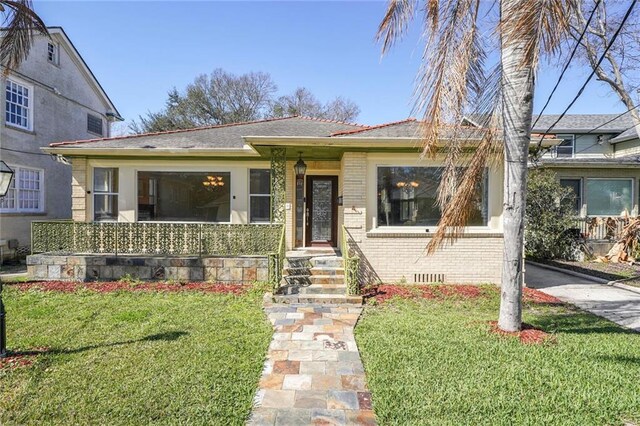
[21,24]
[455,81]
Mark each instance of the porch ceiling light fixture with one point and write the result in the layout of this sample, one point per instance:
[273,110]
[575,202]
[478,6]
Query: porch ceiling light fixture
[300,167]
[412,184]
[213,182]
[6,174]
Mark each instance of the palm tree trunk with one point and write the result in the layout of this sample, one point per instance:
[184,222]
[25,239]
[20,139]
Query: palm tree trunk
[517,108]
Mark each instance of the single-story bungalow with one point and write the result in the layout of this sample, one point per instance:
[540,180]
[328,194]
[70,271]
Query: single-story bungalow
[326,184]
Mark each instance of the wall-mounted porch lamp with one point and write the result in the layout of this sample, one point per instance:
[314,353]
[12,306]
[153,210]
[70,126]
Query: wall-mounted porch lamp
[300,167]
[6,174]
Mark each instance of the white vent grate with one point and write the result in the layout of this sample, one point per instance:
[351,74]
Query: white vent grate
[428,278]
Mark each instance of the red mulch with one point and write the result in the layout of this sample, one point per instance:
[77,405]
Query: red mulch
[383,292]
[113,286]
[536,296]
[529,334]
[21,359]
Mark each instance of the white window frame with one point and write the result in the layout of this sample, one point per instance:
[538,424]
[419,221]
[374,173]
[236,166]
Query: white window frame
[586,198]
[565,136]
[29,108]
[94,193]
[56,53]
[16,191]
[257,195]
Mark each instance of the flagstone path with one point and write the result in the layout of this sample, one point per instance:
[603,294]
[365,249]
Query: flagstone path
[313,373]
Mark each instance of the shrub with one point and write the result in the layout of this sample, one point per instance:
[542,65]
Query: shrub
[549,218]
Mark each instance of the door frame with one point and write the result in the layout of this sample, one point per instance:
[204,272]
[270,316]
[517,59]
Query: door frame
[309,208]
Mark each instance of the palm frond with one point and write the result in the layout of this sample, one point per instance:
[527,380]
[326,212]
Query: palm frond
[20,24]
[395,22]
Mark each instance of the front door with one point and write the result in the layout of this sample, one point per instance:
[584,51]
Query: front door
[322,211]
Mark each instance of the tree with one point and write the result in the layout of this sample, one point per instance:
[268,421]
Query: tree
[303,102]
[222,97]
[620,69]
[21,23]
[454,80]
[549,215]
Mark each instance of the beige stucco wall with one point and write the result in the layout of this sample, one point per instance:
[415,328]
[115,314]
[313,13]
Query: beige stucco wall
[397,254]
[613,173]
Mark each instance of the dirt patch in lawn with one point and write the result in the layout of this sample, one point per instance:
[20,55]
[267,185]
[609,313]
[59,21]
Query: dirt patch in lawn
[529,335]
[113,286]
[15,360]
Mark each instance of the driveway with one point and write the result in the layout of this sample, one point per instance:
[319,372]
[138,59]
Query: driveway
[615,304]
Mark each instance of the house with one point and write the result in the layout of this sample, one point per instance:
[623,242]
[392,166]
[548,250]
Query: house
[599,159]
[292,184]
[53,95]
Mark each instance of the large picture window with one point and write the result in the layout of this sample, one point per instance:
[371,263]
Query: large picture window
[105,194]
[26,192]
[407,197]
[608,197]
[184,196]
[575,184]
[259,196]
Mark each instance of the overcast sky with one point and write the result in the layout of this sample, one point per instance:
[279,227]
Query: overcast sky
[140,50]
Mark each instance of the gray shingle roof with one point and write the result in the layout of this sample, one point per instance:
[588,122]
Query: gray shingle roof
[410,128]
[583,123]
[628,135]
[629,160]
[224,136]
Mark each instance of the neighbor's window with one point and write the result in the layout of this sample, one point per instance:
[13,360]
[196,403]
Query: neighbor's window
[608,197]
[576,186]
[184,196]
[259,195]
[105,194]
[52,53]
[566,148]
[26,192]
[94,124]
[407,197]
[18,105]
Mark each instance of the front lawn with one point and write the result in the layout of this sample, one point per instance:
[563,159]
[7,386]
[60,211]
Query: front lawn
[124,357]
[434,360]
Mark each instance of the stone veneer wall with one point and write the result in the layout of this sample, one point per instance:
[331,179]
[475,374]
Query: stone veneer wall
[399,257]
[240,269]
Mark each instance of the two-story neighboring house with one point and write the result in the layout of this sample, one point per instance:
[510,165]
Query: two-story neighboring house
[52,96]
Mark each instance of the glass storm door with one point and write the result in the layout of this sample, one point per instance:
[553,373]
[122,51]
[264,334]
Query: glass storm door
[322,211]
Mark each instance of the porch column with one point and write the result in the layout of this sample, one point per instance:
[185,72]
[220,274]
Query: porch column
[79,189]
[278,184]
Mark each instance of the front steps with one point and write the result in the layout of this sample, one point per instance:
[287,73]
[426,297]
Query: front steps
[314,276]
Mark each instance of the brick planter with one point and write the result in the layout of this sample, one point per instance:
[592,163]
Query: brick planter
[238,269]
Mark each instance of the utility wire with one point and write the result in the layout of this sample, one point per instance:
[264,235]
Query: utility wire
[613,39]
[597,143]
[24,152]
[564,70]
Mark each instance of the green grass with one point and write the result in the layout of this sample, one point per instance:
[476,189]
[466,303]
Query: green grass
[133,358]
[432,362]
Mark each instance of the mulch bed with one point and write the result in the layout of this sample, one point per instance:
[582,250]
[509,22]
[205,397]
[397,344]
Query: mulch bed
[21,359]
[383,292]
[529,334]
[114,286]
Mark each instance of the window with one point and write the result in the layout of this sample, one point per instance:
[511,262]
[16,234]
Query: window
[407,197]
[18,105]
[608,197]
[566,147]
[259,195]
[184,196]
[105,194]
[94,124]
[26,192]
[576,186]
[52,53]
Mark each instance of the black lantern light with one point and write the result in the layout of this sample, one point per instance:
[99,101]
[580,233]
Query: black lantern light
[6,174]
[300,167]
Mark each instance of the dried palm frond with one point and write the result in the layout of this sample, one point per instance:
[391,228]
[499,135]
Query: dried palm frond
[19,26]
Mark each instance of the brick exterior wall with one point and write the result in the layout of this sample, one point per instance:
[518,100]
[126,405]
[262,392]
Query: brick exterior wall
[79,189]
[399,257]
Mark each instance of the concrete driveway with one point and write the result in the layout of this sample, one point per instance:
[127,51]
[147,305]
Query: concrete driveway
[615,304]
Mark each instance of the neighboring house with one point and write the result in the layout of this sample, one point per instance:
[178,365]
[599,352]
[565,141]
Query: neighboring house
[364,185]
[53,95]
[599,158]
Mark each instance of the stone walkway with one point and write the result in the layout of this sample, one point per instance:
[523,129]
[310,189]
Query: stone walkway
[313,373]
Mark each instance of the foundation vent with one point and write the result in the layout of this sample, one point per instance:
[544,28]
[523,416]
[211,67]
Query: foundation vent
[428,278]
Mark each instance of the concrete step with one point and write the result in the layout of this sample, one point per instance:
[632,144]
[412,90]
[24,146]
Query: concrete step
[319,298]
[297,280]
[314,289]
[326,279]
[323,270]
[327,262]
